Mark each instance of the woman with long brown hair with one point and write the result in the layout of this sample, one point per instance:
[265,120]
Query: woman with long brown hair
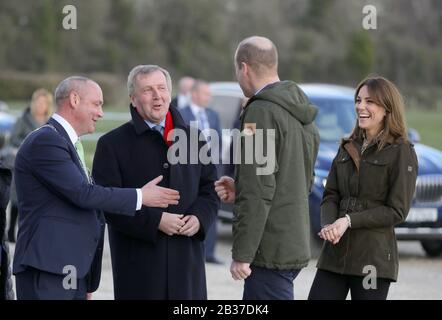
[369,190]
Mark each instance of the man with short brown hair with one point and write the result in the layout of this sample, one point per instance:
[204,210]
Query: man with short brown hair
[271,226]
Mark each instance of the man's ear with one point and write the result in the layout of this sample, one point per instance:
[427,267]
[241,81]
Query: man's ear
[132,100]
[245,68]
[74,99]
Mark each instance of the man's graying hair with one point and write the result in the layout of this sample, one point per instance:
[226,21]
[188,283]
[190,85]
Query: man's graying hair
[64,88]
[146,69]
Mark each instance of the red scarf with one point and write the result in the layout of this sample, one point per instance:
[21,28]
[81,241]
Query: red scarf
[168,127]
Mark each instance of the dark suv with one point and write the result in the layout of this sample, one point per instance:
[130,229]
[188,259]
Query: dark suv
[335,120]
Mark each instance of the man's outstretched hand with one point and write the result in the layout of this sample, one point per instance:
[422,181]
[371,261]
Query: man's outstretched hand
[225,188]
[156,196]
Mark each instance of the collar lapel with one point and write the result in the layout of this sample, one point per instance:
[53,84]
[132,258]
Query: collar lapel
[64,134]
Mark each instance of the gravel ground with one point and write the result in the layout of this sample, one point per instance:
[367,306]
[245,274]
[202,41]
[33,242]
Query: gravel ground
[419,277]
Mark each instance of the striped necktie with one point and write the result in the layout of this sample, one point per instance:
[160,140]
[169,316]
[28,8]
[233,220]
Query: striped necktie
[159,128]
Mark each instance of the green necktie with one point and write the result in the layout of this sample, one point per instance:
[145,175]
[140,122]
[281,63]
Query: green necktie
[80,151]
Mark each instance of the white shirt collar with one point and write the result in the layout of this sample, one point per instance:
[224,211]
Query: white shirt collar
[182,101]
[151,124]
[196,110]
[66,126]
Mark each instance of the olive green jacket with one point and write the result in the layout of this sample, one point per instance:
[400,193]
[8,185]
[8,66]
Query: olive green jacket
[376,197]
[271,212]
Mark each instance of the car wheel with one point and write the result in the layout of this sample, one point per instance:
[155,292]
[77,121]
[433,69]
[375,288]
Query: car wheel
[433,248]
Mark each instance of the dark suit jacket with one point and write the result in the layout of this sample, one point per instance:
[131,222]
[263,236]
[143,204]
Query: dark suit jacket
[147,263]
[174,102]
[212,117]
[58,221]
[214,124]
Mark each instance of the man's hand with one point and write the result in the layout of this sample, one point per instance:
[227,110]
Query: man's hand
[171,223]
[155,196]
[225,188]
[191,226]
[334,231]
[89,296]
[240,270]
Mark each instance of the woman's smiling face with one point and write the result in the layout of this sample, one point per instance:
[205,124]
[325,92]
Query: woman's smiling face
[370,114]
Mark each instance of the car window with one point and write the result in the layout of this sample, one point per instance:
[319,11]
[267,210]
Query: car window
[228,108]
[335,119]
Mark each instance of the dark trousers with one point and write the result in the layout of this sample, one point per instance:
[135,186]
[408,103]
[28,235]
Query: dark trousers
[33,284]
[210,242]
[269,284]
[333,286]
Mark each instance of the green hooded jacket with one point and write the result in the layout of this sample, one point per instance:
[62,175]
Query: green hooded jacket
[271,225]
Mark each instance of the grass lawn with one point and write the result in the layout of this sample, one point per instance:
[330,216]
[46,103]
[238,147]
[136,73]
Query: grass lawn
[429,126]
[103,126]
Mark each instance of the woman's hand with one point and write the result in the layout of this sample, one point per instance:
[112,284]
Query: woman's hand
[333,232]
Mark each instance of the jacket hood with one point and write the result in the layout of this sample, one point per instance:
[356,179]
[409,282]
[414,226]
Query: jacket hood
[289,96]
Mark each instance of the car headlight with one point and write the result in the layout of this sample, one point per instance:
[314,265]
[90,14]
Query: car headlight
[320,181]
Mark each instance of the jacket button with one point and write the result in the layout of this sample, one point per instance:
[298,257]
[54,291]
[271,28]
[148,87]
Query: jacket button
[166,165]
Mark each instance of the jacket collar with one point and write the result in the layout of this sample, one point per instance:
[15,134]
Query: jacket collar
[62,132]
[358,141]
[60,129]
[140,126]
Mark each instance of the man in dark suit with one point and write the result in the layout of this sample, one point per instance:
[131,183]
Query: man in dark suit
[157,254]
[60,236]
[198,113]
[182,99]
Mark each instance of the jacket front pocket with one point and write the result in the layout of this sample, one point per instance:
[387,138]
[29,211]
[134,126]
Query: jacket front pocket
[374,174]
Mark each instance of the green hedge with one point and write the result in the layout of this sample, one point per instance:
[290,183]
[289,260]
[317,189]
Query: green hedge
[20,85]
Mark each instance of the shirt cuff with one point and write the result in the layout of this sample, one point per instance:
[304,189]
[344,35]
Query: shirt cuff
[139,199]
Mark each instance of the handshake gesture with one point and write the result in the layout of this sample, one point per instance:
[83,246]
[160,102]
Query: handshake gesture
[156,196]
[333,232]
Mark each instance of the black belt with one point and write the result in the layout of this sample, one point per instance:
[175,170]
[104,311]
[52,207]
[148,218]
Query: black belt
[352,204]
